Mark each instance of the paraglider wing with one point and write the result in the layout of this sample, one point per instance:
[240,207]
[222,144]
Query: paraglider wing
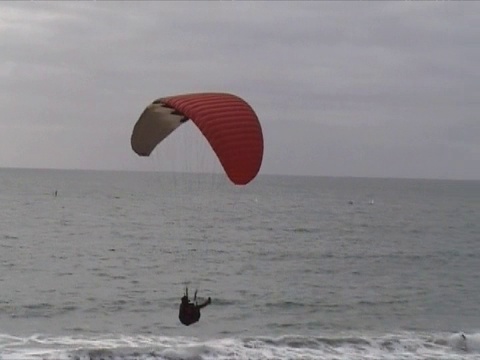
[228,123]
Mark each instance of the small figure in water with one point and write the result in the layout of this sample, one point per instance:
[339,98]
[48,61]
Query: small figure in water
[464,347]
[190,312]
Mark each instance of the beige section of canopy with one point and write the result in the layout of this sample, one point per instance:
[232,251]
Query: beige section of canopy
[154,125]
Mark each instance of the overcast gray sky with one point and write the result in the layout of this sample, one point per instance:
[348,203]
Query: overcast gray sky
[381,89]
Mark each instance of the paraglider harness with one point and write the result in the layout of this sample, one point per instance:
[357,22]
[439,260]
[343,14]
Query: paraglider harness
[190,312]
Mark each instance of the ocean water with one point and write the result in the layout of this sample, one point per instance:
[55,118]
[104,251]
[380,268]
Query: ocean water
[297,267]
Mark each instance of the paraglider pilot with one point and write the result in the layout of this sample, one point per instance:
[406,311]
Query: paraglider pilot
[190,312]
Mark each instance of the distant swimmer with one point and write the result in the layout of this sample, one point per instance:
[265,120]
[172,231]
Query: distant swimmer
[190,312]
[465,344]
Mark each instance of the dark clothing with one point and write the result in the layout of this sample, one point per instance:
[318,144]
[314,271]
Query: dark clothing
[189,312]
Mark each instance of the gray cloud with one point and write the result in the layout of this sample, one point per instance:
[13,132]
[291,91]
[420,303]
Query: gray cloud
[351,88]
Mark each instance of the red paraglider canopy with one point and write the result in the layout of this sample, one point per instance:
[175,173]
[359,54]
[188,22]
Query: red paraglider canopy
[228,123]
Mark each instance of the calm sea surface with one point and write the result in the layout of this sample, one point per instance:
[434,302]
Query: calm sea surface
[297,267]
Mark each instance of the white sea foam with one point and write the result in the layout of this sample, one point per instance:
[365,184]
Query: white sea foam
[342,346]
